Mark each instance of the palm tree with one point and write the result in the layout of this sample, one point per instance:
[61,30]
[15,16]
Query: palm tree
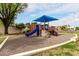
[8,12]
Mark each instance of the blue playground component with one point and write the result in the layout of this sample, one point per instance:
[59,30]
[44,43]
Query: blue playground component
[34,31]
[46,27]
[45,18]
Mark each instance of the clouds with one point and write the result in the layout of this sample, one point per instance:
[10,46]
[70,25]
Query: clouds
[66,12]
[71,19]
[41,7]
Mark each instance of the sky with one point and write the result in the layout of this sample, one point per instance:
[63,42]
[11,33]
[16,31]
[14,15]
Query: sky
[67,13]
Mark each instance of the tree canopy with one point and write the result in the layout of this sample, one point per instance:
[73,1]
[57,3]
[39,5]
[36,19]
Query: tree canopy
[8,12]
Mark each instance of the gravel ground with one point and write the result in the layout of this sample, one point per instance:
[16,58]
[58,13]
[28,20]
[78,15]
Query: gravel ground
[20,43]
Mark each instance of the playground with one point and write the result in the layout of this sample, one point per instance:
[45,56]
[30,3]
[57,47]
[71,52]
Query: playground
[42,30]
[36,36]
[38,29]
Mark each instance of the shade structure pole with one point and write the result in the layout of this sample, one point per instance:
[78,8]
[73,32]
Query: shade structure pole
[40,29]
[44,24]
[48,24]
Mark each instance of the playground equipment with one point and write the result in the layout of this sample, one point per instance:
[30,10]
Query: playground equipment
[43,19]
[36,30]
[39,31]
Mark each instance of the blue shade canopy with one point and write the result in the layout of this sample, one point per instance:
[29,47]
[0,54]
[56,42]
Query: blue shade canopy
[45,18]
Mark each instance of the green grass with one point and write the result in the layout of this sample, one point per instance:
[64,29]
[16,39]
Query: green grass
[70,49]
[67,54]
[2,39]
[71,45]
[1,24]
[62,54]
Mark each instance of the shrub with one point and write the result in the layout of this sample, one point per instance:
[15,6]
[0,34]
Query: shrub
[20,26]
[77,28]
[64,27]
[34,23]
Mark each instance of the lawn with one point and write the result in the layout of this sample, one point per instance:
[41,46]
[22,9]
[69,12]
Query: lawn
[1,24]
[1,36]
[70,49]
[1,39]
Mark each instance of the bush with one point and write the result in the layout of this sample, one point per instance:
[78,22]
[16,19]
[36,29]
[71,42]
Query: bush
[20,26]
[34,23]
[77,28]
[27,24]
[64,27]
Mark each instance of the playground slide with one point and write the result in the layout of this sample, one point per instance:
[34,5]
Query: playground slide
[34,31]
[46,28]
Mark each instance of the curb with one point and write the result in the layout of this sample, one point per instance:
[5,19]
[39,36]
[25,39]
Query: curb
[28,53]
[1,45]
[75,38]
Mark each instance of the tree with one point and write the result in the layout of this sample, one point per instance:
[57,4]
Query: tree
[8,12]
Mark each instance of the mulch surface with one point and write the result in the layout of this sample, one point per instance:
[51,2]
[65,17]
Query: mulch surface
[20,43]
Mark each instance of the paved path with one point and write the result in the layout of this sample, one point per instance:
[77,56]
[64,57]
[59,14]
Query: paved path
[20,43]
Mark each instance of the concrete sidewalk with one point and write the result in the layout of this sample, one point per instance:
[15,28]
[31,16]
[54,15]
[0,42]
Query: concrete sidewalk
[20,43]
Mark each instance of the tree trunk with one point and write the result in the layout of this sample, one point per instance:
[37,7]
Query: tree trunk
[5,29]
